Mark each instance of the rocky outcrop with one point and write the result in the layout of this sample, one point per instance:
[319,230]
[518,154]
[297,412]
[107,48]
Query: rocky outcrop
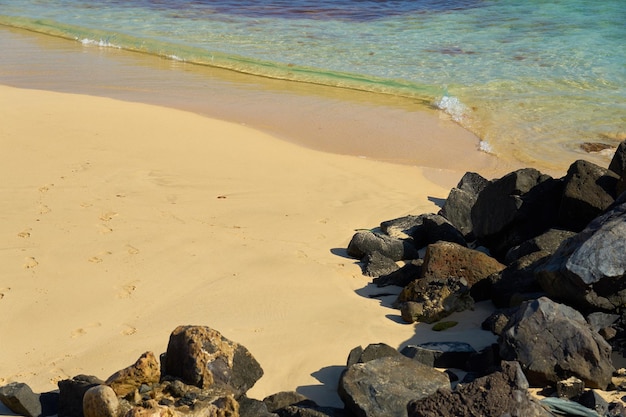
[553,342]
[145,371]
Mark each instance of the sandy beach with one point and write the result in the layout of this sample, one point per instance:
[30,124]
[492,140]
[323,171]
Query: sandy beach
[122,221]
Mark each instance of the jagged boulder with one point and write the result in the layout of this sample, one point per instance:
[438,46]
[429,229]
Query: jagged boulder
[440,354]
[383,387]
[553,342]
[515,208]
[202,357]
[502,393]
[547,242]
[365,242]
[145,370]
[402,276]
[618,166]
[21,399]
[589,269]
[377,265]
[431,299]
[371,352]
[588,191]
[458,206]
[518,281]
[423,229]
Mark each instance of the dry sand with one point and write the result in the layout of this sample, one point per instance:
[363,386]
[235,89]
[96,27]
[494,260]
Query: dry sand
[121,221]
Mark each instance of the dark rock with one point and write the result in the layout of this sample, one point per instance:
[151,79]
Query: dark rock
[599,320]
[433,299]
[445,259]
[594,147]
[371,352]
[484,362]
[618,162]
[571,388]
[249,407]
[515,208]
[20,399]
[440,354]
[71,393]
[283,399]
[497,321]
[403,276]
[547,242]
[589,269]
[594,401]
[292,404]
[616,409]
[498,394]
[365,242]
[553,342]
[509,285]
[377,265]
[423,229]
[458,206]
[589,190]
[383,387]
[202,357]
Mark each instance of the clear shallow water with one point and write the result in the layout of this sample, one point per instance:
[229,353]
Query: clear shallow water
[532,79]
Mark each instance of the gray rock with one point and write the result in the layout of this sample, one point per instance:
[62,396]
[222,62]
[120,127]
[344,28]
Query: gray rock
[403,276]
[283,399]
[511,285]
[599,320]
[547,242]
[371,352]
[21,399]
[503,393]
[552,342]
[423,229]
[383,387]
[458,206]
[202,357]
[377,264]
[100,401]
[589,190]
[365,242]
[563,406]
[440,354]
[430,299]
[589,269]
[249,407]
[594,401]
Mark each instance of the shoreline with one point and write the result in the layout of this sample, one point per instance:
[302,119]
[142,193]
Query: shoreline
[126,220]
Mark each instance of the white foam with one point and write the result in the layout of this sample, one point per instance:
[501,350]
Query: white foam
[102,43]
[175,58]
[452,106]
[485,146]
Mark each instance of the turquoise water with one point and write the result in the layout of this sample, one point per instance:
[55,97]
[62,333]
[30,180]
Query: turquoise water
[530,78]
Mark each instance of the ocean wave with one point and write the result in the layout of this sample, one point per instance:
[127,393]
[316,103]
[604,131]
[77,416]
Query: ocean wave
[101,43]
[453,107]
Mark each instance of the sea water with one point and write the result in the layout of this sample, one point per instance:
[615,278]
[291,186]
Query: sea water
[530,78]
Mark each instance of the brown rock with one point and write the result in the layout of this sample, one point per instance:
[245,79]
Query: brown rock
[144,371]
[446,259]
[100,401]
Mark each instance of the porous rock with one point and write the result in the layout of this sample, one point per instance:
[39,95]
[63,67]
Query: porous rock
[430,299]
[502,393]
[589,269]
[145,370]
[589,190]
[447,259]
[100,401]
[383,387]
[202,357]
[553,342]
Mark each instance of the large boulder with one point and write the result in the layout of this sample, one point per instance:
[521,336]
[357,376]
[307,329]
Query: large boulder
[458,206]
[518,281]
[366,242]
[545,242]
[515,208]
[618,166]
[589,269]
[383,387]
[202,357]
[446,259]
[502,393]
[71,393]
[21,399]
[423,229]
[553,342]
[101,401]
[588,191]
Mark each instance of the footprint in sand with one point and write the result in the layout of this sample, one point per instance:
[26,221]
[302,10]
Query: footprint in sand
[3,292]
[132,250]
[81,331]
[30,263]
[129,330]
[127,290]
[108,216]
[95,260]
[43,209]
[103,229]
[24,233]
[45,188]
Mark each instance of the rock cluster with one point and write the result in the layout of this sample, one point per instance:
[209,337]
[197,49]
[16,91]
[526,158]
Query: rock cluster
[550,254]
